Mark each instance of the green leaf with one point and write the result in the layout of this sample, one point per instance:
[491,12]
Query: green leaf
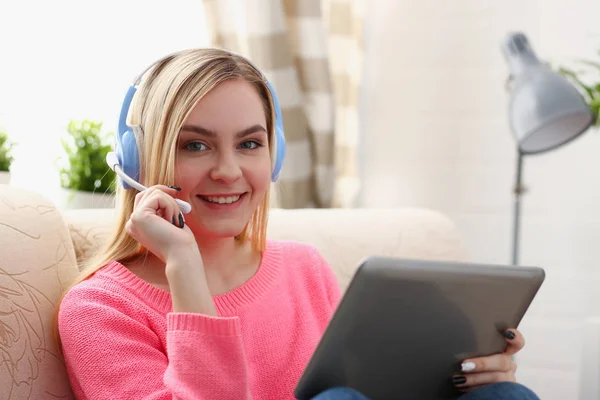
[589,91]
[586,80]
[6,147]
[85,147]
[593,64]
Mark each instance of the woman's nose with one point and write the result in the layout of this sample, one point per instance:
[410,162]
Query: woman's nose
[226,169]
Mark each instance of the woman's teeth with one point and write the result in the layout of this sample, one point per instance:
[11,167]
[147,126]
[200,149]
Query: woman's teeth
[221,200]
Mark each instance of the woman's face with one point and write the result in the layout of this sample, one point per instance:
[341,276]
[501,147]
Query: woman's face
[223,163]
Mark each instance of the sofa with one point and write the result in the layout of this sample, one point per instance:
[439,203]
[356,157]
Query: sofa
[41,247]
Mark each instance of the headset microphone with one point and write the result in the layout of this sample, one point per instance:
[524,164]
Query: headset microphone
[113,162]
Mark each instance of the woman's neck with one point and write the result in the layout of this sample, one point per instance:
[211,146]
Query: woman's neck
[227,263]
[220,253]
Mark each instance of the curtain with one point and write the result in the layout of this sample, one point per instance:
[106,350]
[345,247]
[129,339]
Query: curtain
[290,40]
[344,21]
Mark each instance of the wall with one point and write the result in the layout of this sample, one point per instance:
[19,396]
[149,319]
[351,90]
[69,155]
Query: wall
[435,134]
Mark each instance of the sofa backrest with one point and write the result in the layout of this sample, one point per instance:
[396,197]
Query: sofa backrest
[344,236]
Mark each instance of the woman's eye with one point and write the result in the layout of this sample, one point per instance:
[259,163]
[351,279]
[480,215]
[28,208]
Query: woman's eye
[251,144]
[195,146]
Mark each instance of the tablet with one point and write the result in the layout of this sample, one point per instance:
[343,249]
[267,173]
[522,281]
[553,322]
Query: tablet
[403,327]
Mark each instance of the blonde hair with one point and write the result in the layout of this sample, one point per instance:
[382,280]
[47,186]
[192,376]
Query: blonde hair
[163,101]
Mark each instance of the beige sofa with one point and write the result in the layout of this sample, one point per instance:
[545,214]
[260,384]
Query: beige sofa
[41,246]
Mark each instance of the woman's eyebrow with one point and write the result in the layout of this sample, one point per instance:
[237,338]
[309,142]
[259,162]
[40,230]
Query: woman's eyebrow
[207,132]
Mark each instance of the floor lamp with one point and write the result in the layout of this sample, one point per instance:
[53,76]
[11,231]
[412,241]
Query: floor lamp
[545,112]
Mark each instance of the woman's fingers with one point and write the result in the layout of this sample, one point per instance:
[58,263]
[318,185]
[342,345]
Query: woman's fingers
[167,205]
[159,201]
[170,190]
[491,369]
[515,340]
[482,378]
[493,363]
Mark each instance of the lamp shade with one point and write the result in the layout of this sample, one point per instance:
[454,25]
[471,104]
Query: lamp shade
[545,110]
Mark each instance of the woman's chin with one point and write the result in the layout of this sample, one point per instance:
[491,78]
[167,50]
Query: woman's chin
[220,231]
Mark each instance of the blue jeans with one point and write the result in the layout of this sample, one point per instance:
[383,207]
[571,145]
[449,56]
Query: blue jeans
[495,391]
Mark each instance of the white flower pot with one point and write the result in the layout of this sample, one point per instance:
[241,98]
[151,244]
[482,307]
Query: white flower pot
[77,199]
[4,178]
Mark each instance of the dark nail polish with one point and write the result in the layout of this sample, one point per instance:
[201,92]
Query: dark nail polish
[181,219]
[176,188]
[458,380]
[509,335]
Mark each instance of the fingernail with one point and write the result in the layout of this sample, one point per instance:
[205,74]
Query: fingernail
[468,366]
[181,220]
[176,188]
[510,335]
[458,380]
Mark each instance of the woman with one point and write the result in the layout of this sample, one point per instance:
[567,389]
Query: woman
[204,306]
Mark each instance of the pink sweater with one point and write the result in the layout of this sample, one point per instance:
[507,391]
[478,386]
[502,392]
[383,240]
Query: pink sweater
[121,339]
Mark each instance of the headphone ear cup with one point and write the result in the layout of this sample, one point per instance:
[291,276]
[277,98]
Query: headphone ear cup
[126,145]
[279,150]
[129,157]
[279,136]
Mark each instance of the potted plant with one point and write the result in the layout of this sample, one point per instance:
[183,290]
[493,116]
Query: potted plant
[6,157]
[86,179]
[587,79]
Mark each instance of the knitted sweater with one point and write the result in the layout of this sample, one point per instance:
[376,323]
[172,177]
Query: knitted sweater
[121,339]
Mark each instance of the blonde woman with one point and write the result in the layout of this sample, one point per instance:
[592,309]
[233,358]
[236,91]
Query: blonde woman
[203,306]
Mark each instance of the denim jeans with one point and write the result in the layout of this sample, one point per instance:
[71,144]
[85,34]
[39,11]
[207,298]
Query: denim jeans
[495,391]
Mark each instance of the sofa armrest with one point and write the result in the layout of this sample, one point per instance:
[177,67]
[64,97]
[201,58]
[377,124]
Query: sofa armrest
[37,264]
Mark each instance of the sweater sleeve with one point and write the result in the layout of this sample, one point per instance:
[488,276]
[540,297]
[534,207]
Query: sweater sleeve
[110,354]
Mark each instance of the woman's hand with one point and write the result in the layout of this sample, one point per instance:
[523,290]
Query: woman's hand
[491,369]
[157,223]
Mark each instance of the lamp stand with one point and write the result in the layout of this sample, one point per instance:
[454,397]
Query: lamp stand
[519,190]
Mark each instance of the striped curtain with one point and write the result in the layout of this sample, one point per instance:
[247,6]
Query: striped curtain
[344,21]
[289,40]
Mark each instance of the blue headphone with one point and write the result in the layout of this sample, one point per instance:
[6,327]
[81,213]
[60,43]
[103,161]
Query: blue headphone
[126,148]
